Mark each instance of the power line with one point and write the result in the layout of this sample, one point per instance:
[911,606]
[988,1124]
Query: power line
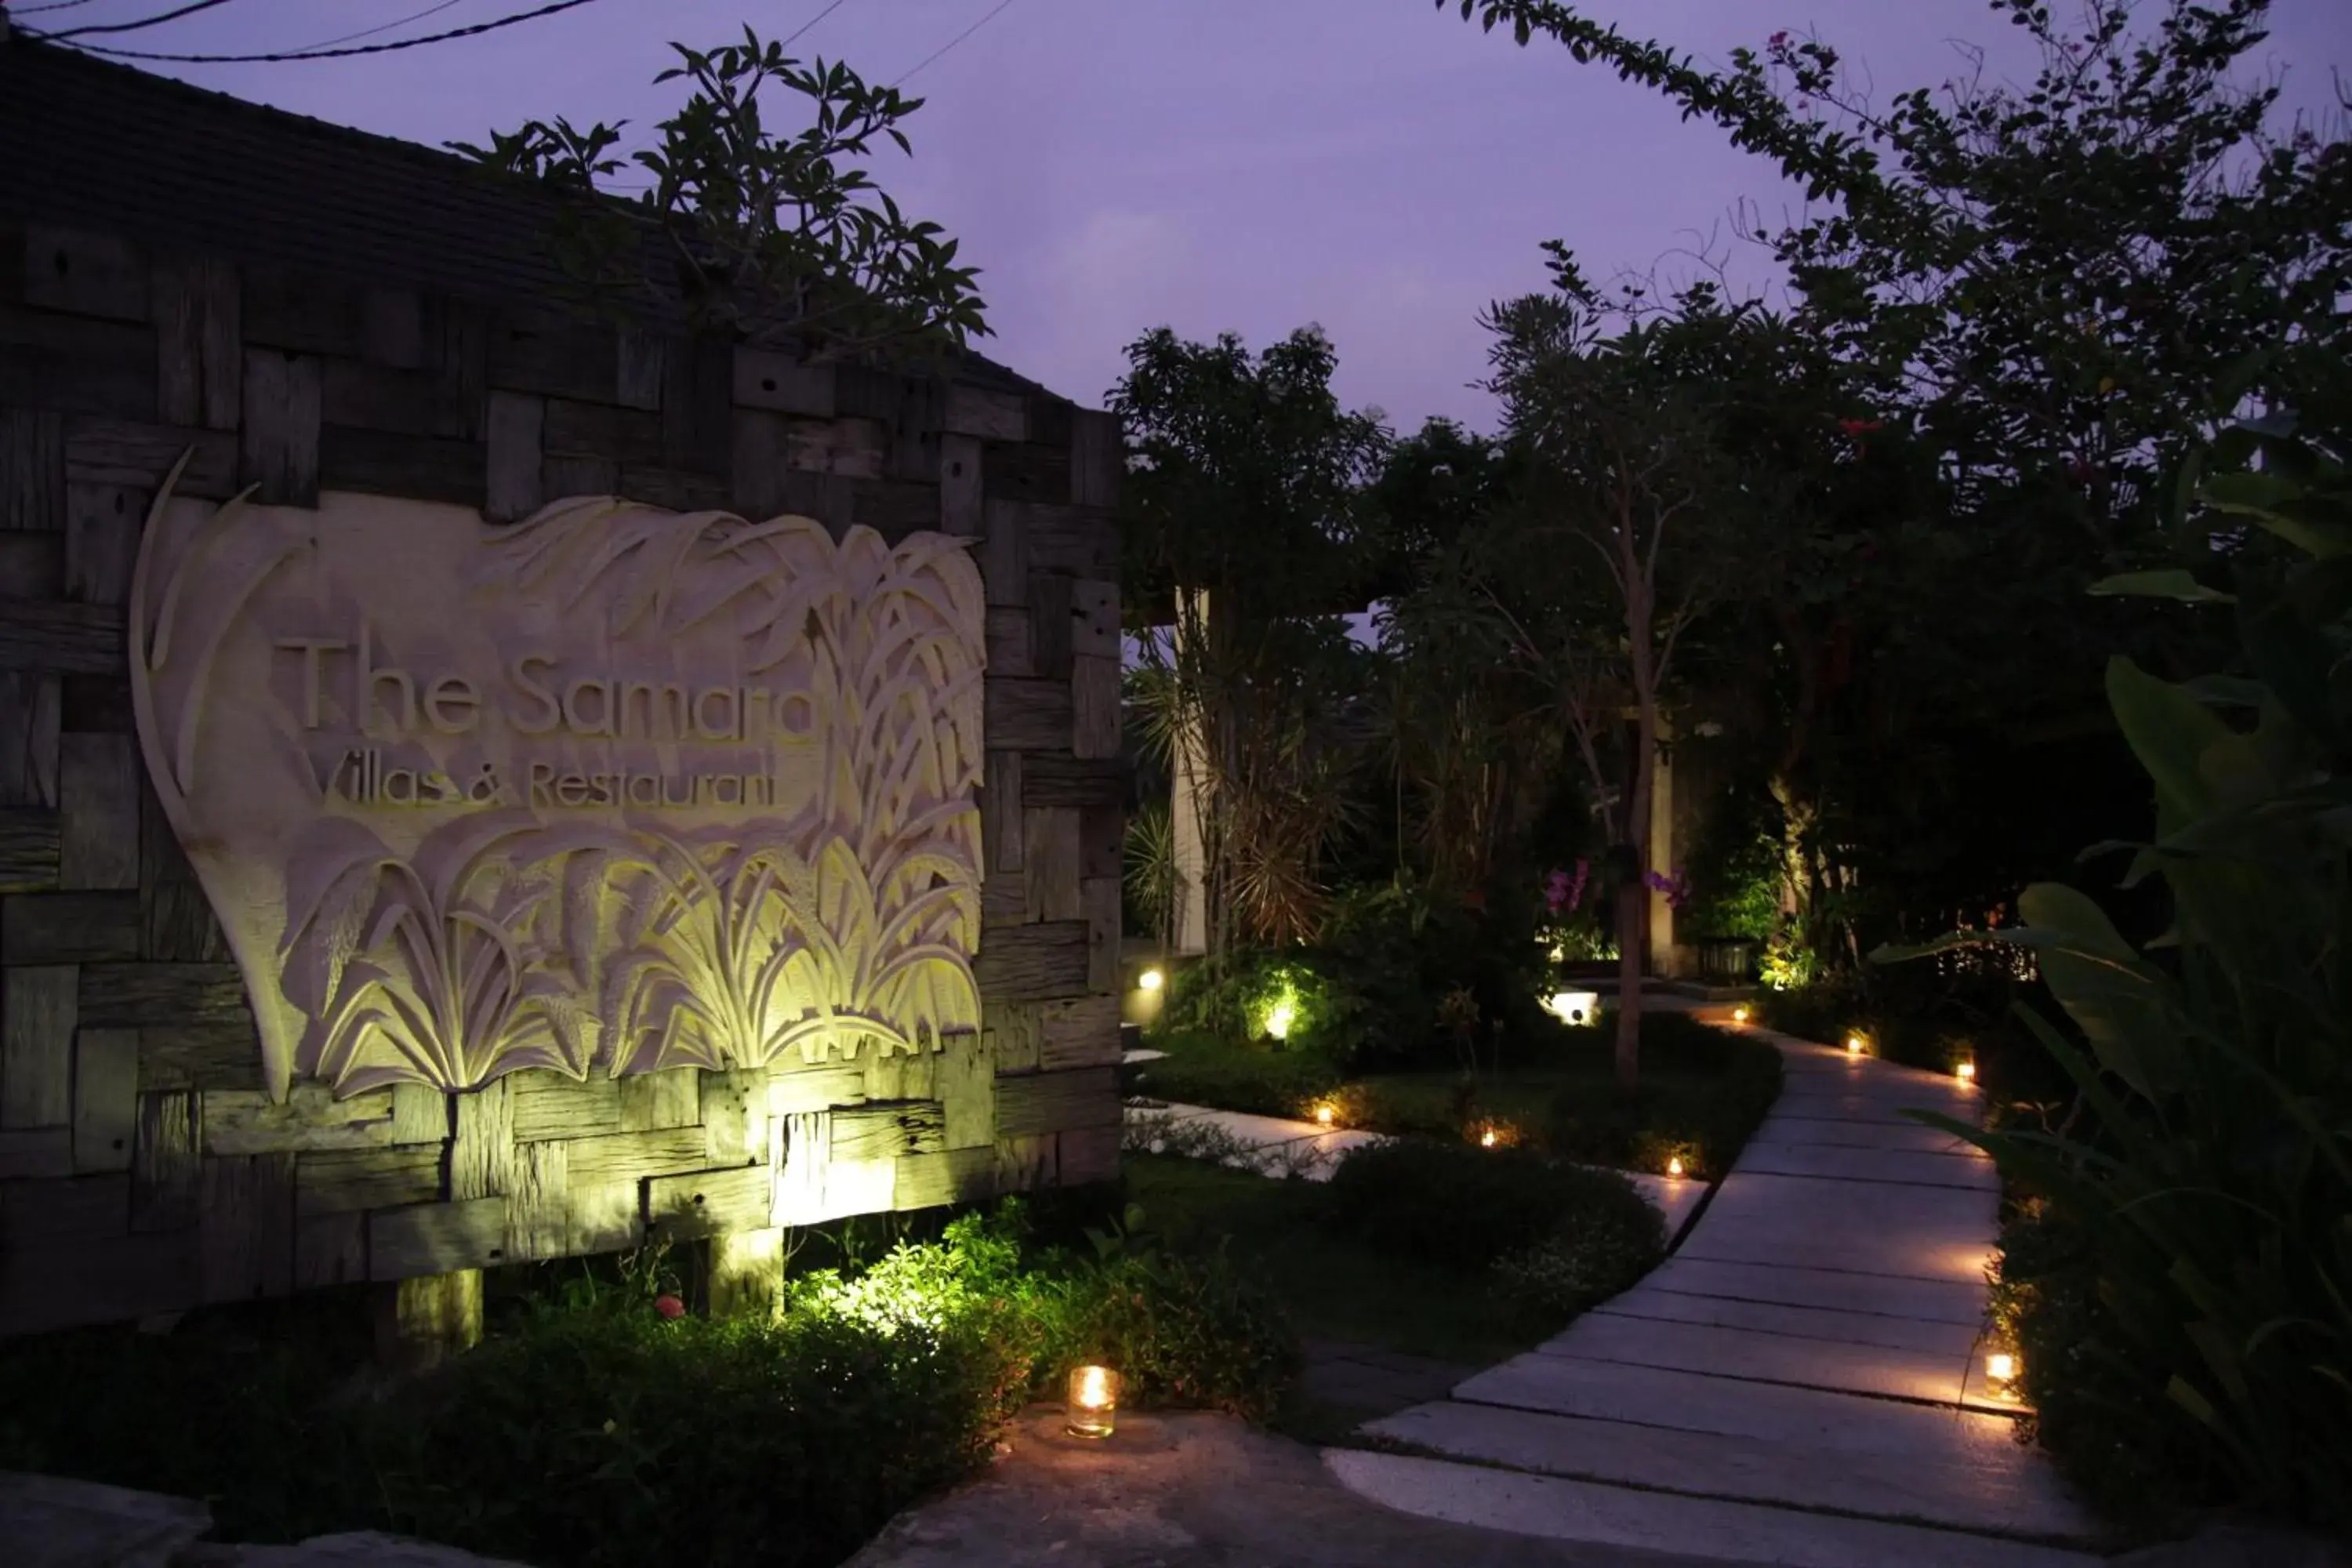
[959,38]
[319,54]
[812,22]
[52,5]
[384,27]
[188,10]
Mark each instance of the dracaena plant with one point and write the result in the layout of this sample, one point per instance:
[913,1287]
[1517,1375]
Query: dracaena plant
[2211,1178]
[762,227]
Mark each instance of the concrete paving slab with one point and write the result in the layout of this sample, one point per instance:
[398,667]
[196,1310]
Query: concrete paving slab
[1556,1384]
[1931,1300]
[50,1522]
[1648,1301]
[1871,1227]
[1560,1510]
[1672,1197]
[1814,1133]
[1840,1103]
[1984,1482]
[1934,1376]
[1971,1170]
[1141,1054]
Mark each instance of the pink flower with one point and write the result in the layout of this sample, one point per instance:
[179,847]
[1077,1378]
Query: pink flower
[669,1306]
[1861,427]
[1779,41]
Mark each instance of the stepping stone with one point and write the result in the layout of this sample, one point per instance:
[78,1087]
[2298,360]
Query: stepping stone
[1141,1054]
[1935,1376]
[1973,1170]
[1563,1510]
[1928,1300]
[1979,1480]
[1960,1341]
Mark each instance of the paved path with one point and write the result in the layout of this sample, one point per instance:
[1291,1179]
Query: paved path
[1801,1382]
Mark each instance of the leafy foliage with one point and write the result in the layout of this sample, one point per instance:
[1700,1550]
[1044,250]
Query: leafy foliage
[2213,1188]
[760,228]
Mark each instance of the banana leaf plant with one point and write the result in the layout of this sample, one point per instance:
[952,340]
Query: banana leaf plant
[2212,1179]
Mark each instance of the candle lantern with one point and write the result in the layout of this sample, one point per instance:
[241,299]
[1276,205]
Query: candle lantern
[1092,1408]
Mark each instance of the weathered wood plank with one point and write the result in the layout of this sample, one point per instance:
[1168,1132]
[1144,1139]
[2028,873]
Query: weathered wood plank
[134,995]
[32,470]
[246,1121]
[177,920]
[1035,1102]
[1026,473]
[393,326]
[95,705]
[365,395]
[74,364]
[1095,712]
[197,307]
[547,1105]
[1049,625]
[853,447]
[278,446]
[1097,457]
[698,429]
[885,1132]
[960,511]
[1004,899]
[37,1038]
[634,1156]
[97,816]
[420,1114]
[482,1142]
[538,1210]
[747,1272]
[69,928]
[553,354]
[166,1168]
[894,508]
[1098,896]
[105,1098]
[1003,554]
[464,392]
[416,467]
[296,310]
[101,545]
[674,489]
[1080,1033]
[815,1089]
[766,378]
[31,704]
[640,355]
[1011,1034]
[892,1076]
[61,638]
[348,1180]
[32,565]
[1080,541]
[248,1227]
[330,1250]
[1102,840]
[1039,962]
[1028,715]
[1049,862]
[1026,1164]
[115,1278]
[951,1176]
[516,452]
[84,273]
[198,1056]
[424,1319]
[36,1151]
[28,849]
[1001,800]
[1094,618]
[1007,645]
[966,1085]
[436,1238]
[760,474]
[138,457]
[654,1100]
[711,1203]
[626,435]
[66,1206]
[735,1116]
[986,415]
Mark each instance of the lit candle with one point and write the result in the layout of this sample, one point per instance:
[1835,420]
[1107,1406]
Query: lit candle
[1739,1014]
[1854,1045]
[1675,1166]
[1323,1115]
[1093,1406]
[1486,1139]
[1968,1071]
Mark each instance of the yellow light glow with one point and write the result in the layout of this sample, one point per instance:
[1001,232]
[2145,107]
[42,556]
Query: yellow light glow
[1558,953]
[1739,1014]
[1150,980]
[1675,1166]
[1487,1140]
[1967,1072]
[1573,1006]
[2001,1367]
[1093,1402]
[1277,1021]
[1854,1045]
[1324,1115]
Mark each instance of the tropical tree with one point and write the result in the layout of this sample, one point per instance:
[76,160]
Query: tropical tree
[759,228]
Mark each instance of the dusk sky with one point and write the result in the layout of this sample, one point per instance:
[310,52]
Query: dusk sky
[1377,166]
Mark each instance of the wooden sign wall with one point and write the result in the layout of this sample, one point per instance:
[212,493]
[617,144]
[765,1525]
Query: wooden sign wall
[153,1155]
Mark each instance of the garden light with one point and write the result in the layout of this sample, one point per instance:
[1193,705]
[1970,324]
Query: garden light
[1487,1139]
[1093,1405]
[1323,1116]
[2001,1369]
[1675,1166]
[1739,1014]
[1573,1006]
[1966,1072]
[1277,1021]
[1854,1045]
[1150,980]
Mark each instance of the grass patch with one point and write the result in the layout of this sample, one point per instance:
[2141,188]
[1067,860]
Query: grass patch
[1702,1094]
[1285,1236]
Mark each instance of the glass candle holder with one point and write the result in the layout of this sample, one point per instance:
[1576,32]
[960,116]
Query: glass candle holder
[1092,1408]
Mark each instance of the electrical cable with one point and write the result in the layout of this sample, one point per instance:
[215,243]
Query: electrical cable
[384,27]
[156,21]
[960,37]
[319,54]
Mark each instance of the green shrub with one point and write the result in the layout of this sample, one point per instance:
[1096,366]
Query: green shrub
[1702,1093]
[1462,1206]
[1204,1069]
[1184,1330]
[1579,1266]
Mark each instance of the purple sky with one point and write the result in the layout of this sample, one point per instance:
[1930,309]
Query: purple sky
[1113,166]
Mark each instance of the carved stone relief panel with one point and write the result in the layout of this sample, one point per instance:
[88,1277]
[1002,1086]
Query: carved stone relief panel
[610,791]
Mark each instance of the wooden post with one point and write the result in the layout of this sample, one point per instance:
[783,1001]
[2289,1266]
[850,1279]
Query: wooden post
[747,1272]
[420,1323]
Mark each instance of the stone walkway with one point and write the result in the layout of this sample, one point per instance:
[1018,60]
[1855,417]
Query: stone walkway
[1801,1383]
